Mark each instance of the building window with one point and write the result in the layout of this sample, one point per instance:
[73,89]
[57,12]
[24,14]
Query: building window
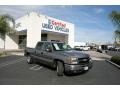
[43,37]
[22,41]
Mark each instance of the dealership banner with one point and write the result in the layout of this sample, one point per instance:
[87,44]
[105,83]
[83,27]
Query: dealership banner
[55,26]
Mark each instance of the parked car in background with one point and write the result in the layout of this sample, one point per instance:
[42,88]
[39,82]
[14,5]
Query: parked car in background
[78,48]
[59,56]
[99,50]
[114,49]
[117,48]
[85,48]
[82,48]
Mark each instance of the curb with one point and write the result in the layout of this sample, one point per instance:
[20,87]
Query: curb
[118,66]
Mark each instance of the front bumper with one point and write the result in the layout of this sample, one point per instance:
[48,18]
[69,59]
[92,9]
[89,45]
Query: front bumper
[76,68]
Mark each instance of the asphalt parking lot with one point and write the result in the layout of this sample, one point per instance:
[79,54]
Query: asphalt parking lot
[15,71]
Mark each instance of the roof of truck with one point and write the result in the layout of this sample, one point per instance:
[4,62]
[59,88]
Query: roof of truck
[51,41]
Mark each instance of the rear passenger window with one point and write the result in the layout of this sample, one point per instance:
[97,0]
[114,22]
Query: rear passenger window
[39,46]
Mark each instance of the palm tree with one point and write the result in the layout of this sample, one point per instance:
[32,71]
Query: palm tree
[115,18]
[5,27]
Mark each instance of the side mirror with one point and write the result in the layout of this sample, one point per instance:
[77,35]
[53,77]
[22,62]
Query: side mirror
[48,50]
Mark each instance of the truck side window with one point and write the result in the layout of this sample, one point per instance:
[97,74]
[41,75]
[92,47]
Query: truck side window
[47,46]
[39,46]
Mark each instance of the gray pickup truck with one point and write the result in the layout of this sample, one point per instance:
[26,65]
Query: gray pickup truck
[59,56]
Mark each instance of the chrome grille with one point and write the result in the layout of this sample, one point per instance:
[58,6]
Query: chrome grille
[83,60]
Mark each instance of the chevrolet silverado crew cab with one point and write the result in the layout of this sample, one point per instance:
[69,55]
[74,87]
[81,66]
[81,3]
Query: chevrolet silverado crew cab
[59,56]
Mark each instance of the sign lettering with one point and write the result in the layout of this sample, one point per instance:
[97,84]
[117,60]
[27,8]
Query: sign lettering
[58,26]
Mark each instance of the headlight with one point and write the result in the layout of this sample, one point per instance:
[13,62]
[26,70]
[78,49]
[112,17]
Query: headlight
[73,61]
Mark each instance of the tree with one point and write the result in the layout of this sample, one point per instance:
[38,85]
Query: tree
[5,27]
[115,18]
[117,34]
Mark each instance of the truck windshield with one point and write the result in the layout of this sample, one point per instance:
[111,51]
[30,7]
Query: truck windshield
[61,46]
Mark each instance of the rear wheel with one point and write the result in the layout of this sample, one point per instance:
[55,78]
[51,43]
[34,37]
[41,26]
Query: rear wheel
[60,68]
[29,60]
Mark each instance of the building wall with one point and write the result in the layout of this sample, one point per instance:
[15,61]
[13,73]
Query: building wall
[33,30]
[1,42]
[68,38]
[21,23]
[33,23]
[11,42]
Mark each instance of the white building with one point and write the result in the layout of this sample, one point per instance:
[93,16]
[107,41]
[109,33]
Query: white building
[35,27]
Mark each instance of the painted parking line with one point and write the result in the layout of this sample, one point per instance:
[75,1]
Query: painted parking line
[11,62]
[36,67]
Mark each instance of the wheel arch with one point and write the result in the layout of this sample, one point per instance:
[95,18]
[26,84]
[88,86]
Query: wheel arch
[56,60]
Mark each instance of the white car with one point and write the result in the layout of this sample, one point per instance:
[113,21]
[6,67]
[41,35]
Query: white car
[84,48]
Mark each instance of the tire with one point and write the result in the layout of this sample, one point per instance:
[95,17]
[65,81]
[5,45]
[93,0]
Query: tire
[29,60]
[60,68]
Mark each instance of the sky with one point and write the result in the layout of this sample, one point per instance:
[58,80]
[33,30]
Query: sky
[92,23]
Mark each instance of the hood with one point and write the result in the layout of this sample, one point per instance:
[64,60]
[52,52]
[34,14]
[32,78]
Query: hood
[73,53]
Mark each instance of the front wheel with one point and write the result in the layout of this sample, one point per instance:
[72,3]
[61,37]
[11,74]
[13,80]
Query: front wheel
[29,60]
[60,68]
